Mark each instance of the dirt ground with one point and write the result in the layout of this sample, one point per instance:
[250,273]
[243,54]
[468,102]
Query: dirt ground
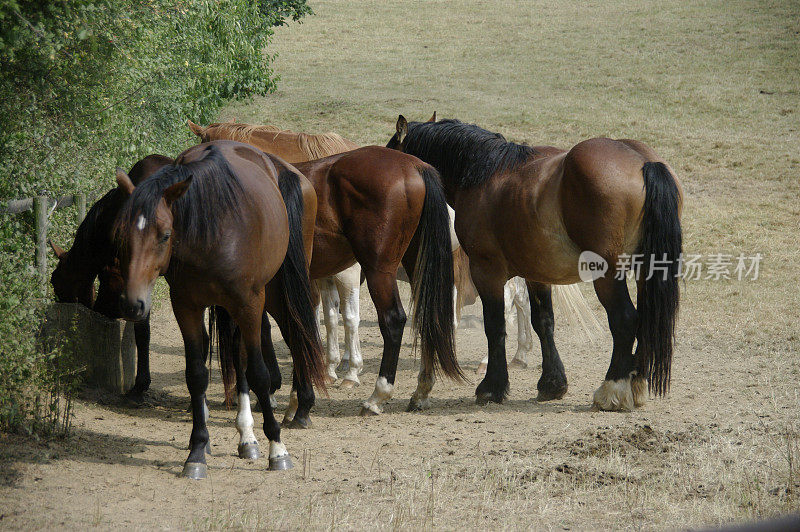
[711,452]
[712,87]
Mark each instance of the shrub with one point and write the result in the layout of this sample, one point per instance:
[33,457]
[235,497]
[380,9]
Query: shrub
[87,85]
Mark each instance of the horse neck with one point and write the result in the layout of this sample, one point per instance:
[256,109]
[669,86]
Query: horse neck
[283,144]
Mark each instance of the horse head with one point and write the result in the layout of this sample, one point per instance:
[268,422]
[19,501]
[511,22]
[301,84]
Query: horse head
[143,231]
[72,282]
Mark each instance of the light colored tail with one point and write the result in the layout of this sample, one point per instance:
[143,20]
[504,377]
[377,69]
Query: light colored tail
[568,301]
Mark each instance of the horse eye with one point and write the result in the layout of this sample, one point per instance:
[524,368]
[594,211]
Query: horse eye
[165,237]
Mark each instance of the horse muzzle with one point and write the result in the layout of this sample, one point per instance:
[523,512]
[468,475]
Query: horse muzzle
[133,309]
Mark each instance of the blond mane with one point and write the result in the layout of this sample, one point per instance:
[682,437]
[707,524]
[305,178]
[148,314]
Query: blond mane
[313,146]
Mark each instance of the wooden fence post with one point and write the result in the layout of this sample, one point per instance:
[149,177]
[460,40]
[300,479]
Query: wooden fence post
[40,204]
[80,201]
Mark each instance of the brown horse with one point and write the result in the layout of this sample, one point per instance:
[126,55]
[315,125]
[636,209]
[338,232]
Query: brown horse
[92,257]
[542,213]
[216,225]
[288,145]
[381,208]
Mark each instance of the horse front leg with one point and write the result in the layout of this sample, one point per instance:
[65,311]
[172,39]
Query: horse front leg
[553,382]
[190,322]
[391,320]
[490,284]
[622,389]
[141,332]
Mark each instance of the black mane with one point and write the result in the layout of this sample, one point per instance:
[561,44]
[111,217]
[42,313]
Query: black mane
[464,154]
[214,194]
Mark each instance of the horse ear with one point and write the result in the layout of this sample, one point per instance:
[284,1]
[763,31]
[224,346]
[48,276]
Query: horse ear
[124,182]
[56,249]
[433,118]
[174,192]
[196,129]
[402,128]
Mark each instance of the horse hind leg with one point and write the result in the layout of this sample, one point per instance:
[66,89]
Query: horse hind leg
[553,382]
[258,376]
[490,284]
[522,305]
[391,320]
[248,444]
[330,313]
[622,390]
[348,283]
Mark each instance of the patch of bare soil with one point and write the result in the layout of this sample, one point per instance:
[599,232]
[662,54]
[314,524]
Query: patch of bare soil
[718,449]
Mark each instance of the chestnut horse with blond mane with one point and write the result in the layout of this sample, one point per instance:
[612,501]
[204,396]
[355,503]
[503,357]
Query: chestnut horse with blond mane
[538,212]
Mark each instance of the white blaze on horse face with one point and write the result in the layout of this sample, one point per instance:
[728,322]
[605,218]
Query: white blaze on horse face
[382,393]
[244,421]
[141,223]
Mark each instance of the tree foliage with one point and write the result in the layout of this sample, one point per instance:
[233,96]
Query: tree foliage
[87,85]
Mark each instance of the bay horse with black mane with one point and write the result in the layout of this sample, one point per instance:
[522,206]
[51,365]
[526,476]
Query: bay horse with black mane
[216,225]
[531,211]
[382,209]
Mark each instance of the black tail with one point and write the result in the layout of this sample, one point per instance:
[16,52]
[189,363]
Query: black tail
[433,281]
[302,335]
[228,339]
[659,295]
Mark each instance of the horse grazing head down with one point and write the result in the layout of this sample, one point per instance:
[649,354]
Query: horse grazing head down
[72,283]
[143,232]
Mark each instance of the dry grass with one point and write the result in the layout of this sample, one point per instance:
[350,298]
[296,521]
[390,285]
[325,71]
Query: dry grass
[713,86]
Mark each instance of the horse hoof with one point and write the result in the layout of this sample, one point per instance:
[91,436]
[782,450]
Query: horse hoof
[298,423]
[329,380]
[517,363]
[280,463]
[551,389]
[414,406]
[249,451]
[482,399]
[348,384]
[194,470]
[368,411]
[545,395]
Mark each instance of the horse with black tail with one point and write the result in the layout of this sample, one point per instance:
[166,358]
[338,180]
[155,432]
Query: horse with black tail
[291,313]
[542,213]
[216,226]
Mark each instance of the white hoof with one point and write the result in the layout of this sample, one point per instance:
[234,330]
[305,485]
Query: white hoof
[615,396]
